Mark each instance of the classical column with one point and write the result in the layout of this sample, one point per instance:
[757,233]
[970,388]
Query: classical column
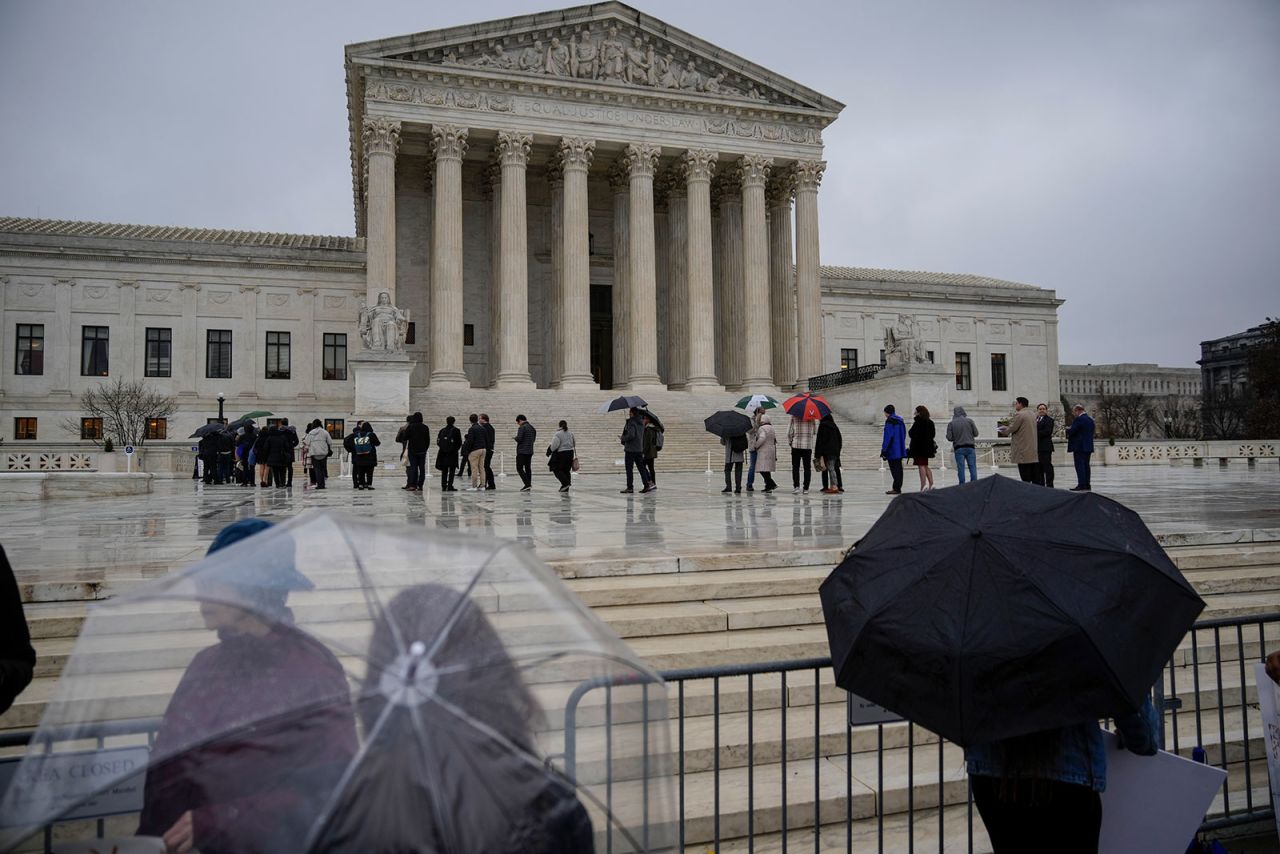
[449,143]
[311,364]
[62,347]
[698,166]
[134,363]
[661,272]
[250,349]
[493,192]
[620,184]
[553,305]
[782,301]
[574,308]
[186,385]
[642,160]
[677,313]
[381,139]
[808,287]
[732,296]
[757,337]
[513,348]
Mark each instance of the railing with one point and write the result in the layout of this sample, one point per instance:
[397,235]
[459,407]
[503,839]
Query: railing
[844,377]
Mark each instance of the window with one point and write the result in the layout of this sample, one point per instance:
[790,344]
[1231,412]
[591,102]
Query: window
[882,362]
[468,335]
[91,428]
[411,334]
[24,428]
[928,354]
[335,356]
[157,428]
[964,382]
[999,379]
[335,427]
[217,354]
[277,355]
[30,356]
[159,352]
[848,359]
[94,350]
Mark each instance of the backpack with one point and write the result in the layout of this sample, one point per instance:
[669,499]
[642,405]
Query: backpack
[361,443]
[738,444]
[657,444]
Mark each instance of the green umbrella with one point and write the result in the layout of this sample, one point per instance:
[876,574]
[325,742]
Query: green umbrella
[257,413]
[752,402]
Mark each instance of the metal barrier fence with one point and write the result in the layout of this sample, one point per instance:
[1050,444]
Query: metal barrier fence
[844,377]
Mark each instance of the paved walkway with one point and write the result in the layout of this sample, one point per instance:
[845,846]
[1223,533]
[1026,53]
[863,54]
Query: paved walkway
[686,515]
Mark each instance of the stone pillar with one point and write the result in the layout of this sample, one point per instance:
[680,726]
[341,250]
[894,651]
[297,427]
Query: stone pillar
[620,184]
[757,336]
[732,294]
[677,313]
[381,140]
[6,344]
[513,347]
[642,160]
[782,301]
[493,192]
[574,307]
[698,166]
[62,348]
[661,273]
[311,362]
[449,143]
[186,385]
[251,350]
[553,305]
[808,286]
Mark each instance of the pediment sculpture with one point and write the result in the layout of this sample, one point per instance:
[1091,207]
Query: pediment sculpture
[383,327]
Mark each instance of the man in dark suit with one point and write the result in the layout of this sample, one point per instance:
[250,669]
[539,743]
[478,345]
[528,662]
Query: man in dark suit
[1044,443]
[1080,444]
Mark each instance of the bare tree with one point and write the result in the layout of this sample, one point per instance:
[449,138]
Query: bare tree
[125,408]
[1223,413]
[1180,418]
[1124,416]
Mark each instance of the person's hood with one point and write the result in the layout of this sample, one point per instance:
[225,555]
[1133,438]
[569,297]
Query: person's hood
[765,419]
[895,418]
[958,412]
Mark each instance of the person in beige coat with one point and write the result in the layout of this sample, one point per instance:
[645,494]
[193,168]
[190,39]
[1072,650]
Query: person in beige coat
[765,450]
[1024,449]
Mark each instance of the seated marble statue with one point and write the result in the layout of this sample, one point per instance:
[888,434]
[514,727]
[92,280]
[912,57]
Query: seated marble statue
[383,326]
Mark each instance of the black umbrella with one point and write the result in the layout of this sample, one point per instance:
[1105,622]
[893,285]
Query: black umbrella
[653,418]
[201,432]
[1000,608]
[625,402]
[238,423]
[726,423]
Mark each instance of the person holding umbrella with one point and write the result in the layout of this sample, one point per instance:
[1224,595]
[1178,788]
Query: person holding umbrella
[806,410]
[632,441]
[764,450]
[894,447]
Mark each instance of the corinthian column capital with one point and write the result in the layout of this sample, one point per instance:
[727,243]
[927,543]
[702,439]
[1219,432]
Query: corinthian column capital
[808,174]
[753,170]
[514,147]
[698,164]
[575,152]
[641,159]
[380,136]
[448,142]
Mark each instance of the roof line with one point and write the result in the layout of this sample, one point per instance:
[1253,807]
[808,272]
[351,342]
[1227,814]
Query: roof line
[124,231]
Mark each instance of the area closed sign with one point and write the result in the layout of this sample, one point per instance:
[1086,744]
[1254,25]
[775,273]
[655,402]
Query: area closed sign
[89,784]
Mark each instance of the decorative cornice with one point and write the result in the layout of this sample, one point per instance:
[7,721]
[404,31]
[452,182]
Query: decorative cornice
[752,170]
[808,174]
[380,136]
[513,147]
[448,142]
[641,159]
[698,164]
[575,152]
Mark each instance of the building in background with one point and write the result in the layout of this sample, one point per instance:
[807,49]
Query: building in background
[1166,395]
[1224,362]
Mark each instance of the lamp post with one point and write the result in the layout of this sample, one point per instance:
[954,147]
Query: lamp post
[221,400]
[1168,427]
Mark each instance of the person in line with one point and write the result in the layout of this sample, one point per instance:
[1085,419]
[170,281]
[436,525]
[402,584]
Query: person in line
[632,440]
[1044,443]
[922,447]
[207,451]
[278,455]
[404,448]
[417,441]
[764,451]
[1041,792]
[962,433]
[827,447]
[800,435]
[1080,443]
[650,444]
[448,444]
[525,436]
[292,434]
[261,471]
[226,456]
[562,452]
[362,444]
[319,447]
[490,442]
[893,447]
[473,449]
[735,449]
[261,726]
[244,451]
[17,655]
[752,454]
[1023,446]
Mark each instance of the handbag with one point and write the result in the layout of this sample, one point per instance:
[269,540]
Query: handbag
[576,465]
[820,464]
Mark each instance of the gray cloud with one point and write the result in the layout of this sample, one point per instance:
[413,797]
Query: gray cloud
[1122,153]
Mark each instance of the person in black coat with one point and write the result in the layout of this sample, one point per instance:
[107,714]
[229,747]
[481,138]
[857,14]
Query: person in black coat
[490,441]
[17,657]
[278,450]
[922,447]
[244,445]
[826,446]
[208,451]
[1044,443]
[524,438]
[226,456]
[362,444]
[261,471]
[417,441]
[448,445]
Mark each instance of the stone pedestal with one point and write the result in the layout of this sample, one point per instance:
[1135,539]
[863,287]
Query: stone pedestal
[382,384]
[905,386]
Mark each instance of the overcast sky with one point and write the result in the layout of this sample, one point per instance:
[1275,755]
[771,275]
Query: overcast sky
[1121,153]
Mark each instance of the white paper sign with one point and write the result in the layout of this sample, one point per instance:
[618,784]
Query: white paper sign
[863,712]
[1153,803]
[1269,707]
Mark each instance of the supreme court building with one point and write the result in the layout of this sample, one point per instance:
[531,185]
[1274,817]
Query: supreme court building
[578,200]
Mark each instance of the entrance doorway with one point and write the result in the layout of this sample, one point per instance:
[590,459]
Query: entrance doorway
[602,335]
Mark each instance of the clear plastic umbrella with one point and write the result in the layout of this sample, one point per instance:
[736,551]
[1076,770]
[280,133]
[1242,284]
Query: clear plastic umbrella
[370,687]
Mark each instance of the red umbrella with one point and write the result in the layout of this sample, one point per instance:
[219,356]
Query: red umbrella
[807,407]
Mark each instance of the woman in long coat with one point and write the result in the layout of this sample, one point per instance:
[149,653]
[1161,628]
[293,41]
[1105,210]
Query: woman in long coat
[765,451]
[922,446]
